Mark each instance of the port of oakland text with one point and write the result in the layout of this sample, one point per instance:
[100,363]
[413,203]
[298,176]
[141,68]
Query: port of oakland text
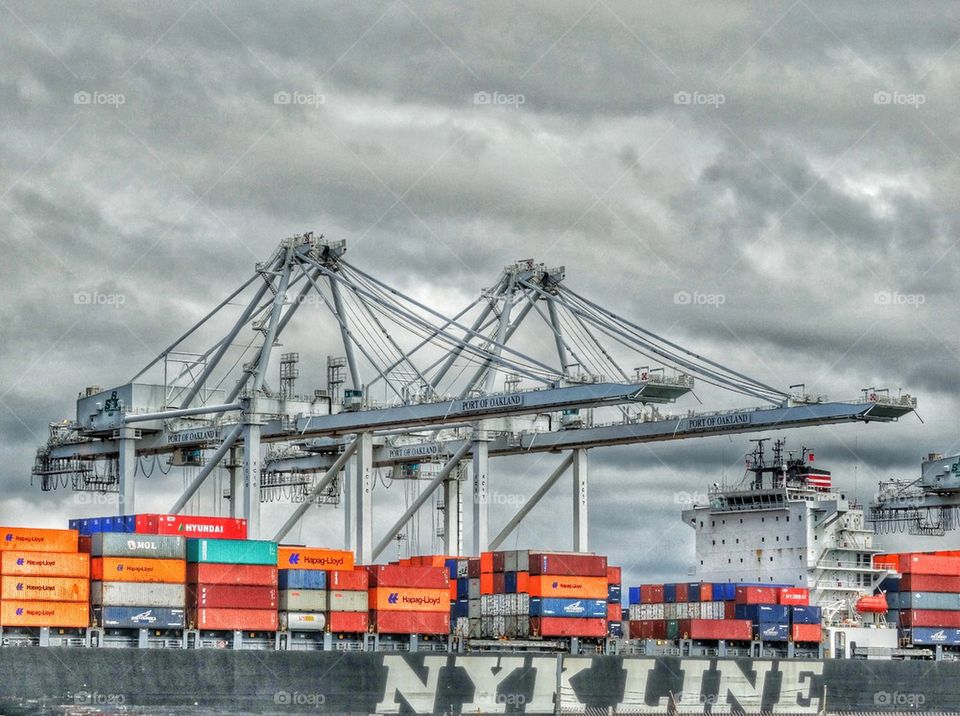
[489,402]
[714,421]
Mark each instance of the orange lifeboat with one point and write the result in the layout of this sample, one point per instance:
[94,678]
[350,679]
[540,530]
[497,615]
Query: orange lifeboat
[877,604]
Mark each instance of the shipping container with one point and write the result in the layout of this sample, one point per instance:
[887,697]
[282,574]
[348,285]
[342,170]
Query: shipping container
[706,592]
[927,583]
[301,579]
[409,622]
[615,629]
[140,617]
[473,568]
[44,614]
[302,621]
[929,564]
[922,600]
[290,557]
[651,594]
[304,600]
[486,583]
[486,563]
[408,599]
[233,619]
[773,632]
[348,622]
[240,596]
[83,544]
[138,569]
[138,594]
[568,587]
[510,582]
[793,596]
[716,629]
[499,586]
[395,576]
[355,579]
[498,561]
[928,636]
[614,575]
[764,613]
[119,544]
[257,575]
[568,626]
[724,591]
[648,629]
[806,633]
[578,608]
[682,593]
[669,593]
[29,539]
[231,551]
[341,600]
[192,526]
[805,615]
[568,564]
[614,593]
[756,595]
[45,589]
[45,564]
[929,618]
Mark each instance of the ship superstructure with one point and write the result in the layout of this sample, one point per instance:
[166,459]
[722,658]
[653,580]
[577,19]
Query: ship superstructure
[785,523]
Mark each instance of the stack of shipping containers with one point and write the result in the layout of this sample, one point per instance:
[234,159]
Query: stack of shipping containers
[568,594]
[347,600]
[45,580]
[306,586]
[232,584]
[924,601]
[409,600]
[139,580]
[614,599]
[723,611]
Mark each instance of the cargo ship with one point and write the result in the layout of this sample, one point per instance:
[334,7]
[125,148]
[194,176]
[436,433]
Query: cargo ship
[791,608]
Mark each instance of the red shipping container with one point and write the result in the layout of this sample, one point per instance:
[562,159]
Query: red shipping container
[729,610]
[499,583]
[807,633]
[890,561]
[929,583]
[486,583]
[353,580]
[348,622]
[756,595]
[257,575]
[614,575]
[523,582]
[499,561]
[192,526]
[84,543]
[710,629]
[568,564]
[234,619]
[568,626]
[793,596]
[929,618]
[410,622]
[651,594]
[706,592]
[473,568]
[614,613]
[385,575]
[683,593]
[929,564]
[486,563]
[453,590]
[648,629]
[232,596]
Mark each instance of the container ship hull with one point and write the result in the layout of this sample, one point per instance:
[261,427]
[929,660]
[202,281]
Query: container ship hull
[60,680]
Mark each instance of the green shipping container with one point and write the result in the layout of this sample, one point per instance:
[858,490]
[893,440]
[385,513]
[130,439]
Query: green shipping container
[232,551]
[673,629]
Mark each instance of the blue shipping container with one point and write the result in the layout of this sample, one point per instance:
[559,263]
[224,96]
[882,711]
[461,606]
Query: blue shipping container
[463,587]
[773,632]
[451,565]
[893,600]
[554,607]
[616,629]
[764,613]
[935,635]
[937,601]
[805,615]
[724,591]
[141,617]
[510,582]
[693,592]
[614,593]
[633,595]
[302,579]
[460,608]
[890,584]
[669,593]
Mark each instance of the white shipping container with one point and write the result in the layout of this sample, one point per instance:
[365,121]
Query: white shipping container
[138,594]
[473,589]
[302,621]
[463,568]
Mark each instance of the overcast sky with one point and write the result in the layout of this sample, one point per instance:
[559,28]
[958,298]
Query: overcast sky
[790,165]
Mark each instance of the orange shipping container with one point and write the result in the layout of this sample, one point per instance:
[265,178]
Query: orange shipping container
[547,585]
[406,599]
[134,569]
[45,589]
[523,582]
[40,614]
[45,565]
[453,590]
[313,558]
[486,583]
[486,562]
[26,539]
